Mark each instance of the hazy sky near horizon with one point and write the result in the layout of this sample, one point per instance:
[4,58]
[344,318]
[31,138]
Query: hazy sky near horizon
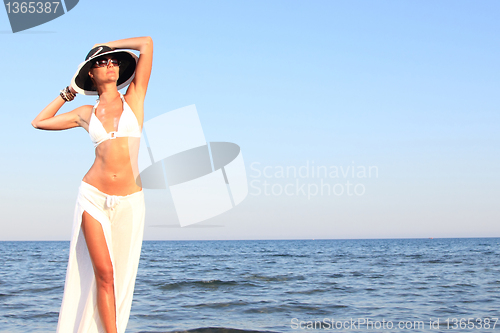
[405,94]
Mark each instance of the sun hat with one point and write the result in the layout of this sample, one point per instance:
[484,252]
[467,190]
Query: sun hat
[82,82]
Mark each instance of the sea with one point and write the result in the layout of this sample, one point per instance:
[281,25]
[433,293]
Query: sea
[370,285]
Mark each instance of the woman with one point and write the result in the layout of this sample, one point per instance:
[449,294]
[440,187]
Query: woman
[109,215]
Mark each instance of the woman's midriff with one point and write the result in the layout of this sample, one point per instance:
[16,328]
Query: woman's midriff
[115,167]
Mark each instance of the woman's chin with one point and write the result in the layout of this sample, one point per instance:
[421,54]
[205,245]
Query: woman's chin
[109,81]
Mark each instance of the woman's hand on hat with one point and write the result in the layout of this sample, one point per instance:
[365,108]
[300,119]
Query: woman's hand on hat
[96,45]
[73,91]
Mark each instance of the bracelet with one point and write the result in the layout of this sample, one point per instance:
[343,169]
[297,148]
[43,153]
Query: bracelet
[67,95]
[63,96]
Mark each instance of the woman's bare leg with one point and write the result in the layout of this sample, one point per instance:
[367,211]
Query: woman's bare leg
[103,269]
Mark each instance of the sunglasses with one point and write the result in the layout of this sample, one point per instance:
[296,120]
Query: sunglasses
[106,62]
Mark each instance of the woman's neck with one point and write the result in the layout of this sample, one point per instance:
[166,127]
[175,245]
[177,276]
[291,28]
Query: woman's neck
[107,92]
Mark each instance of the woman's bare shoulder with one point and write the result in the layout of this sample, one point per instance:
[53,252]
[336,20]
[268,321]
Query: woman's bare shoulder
[84,111]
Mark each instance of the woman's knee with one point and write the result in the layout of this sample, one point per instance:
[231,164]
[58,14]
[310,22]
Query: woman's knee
[104,276]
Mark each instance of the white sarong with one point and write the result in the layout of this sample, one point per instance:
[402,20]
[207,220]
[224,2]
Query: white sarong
[122,220]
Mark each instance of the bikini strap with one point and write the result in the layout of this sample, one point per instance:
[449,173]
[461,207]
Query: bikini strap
[95,105]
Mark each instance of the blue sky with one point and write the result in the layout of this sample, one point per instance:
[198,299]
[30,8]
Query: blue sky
[408,87]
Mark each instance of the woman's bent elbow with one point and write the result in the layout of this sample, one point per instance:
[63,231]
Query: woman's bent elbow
[148,42]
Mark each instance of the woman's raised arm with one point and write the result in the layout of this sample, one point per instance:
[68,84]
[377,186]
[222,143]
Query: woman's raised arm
[47,119]
[137,89]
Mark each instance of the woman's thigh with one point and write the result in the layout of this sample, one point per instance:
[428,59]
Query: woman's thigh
[98,249]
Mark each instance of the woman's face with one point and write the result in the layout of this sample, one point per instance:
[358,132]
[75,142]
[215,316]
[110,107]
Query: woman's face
[104,70]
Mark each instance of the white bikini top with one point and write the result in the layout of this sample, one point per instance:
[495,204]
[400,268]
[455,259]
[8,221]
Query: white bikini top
[128,126]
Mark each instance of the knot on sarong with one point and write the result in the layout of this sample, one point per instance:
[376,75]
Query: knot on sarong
[112,201]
